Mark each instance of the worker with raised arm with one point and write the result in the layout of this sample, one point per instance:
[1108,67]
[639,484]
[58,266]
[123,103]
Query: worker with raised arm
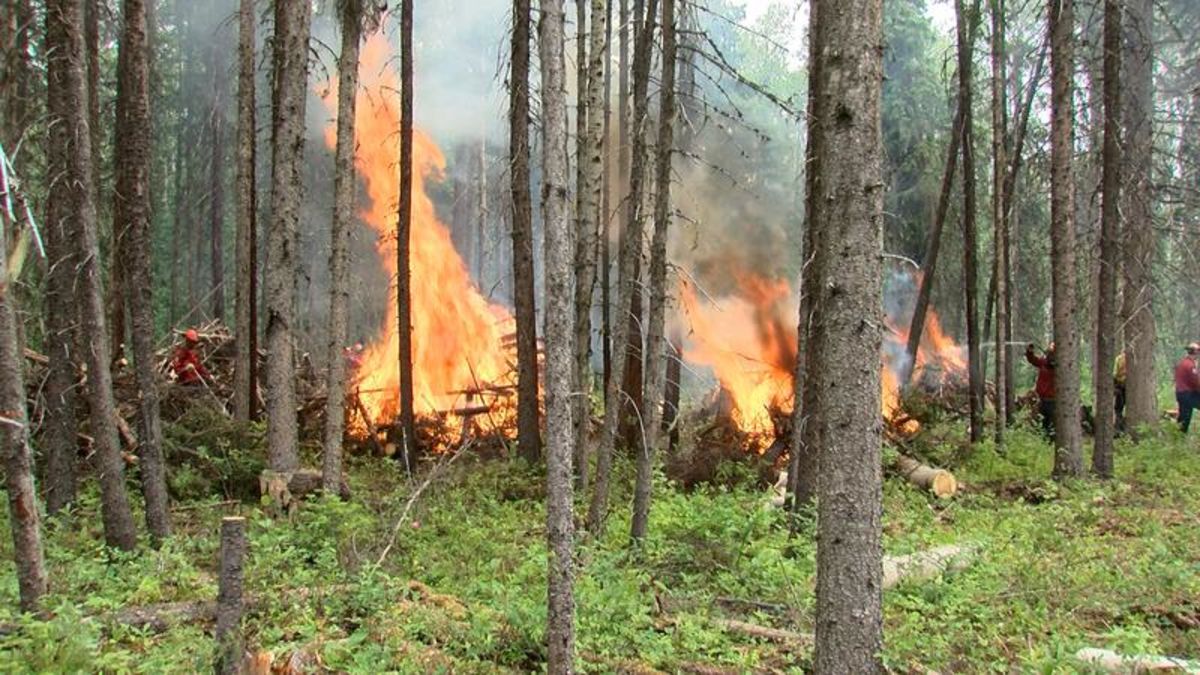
[186,362]
[1187,386]
[1044,386]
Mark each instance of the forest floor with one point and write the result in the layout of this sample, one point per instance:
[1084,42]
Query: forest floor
[1110,565]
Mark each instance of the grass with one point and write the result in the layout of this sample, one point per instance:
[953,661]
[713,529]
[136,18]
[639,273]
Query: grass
[1113,565]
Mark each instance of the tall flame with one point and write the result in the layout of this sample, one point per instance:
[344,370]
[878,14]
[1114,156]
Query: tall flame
[457,335]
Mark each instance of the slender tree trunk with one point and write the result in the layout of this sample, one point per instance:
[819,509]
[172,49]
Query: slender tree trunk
[1137,313]
[403,230]
[592,169]
[999,165]
[528,436]
[217,185]
[23,518]
[292,23]
[344,187]
[656,345]
[1068,456]
[1110,227]
[584,256]
[16,76]
[966,76]
[606,213]
[845,342]
[64,20]
[630,253]
[131,215]
[624,158]
[560,620]
[246,339]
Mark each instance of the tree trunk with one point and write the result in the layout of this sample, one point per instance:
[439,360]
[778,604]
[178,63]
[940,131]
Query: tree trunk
[1000,227]
[230,603]
[630,253]
[1068,456]
[656,345]
[246,337]
[528,436]
[560,620]
[403,230]
[217,186]
[1106,309]
[344,187]
[64,20]
[1137,297]
[844,362]
[966,76]
[292,22]
[131,215]
[606,214]
[23,517]
[592,170]
[16,76]
[624,157]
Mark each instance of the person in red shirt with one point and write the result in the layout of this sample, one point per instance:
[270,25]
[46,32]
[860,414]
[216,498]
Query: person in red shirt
[1187,386]
[186,361]
[1044,386]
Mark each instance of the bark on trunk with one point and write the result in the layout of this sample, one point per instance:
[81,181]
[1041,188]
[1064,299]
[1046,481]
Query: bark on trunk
[63,26]
[131,215]
[217,185]
[560,621]
[1068,455]
[844,364]
[1137,297]
[230,603]
[23,517]
[630,254]
[528,437]
[966,72]
[1110,227]
[246,338]
[403,229]
[606,214]
[656,345]
[1000,228]
[622,185]
[292,22]
[344,188]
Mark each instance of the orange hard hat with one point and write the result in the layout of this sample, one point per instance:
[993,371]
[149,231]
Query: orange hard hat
[191,335]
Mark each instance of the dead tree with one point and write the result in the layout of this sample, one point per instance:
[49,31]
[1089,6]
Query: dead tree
[245,310]
[970,253]
[403,229]
[131,215]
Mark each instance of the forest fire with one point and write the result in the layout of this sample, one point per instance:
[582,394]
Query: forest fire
[457,335]
[749,341]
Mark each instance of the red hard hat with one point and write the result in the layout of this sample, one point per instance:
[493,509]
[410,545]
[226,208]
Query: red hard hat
[191,335]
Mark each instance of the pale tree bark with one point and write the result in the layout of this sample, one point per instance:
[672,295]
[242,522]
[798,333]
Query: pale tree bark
[23,518]
[1068,454]
[656,345]
[624,157]
[591,163]
[630,253]
[606,212]
[560,620]
[64,21]
[216,167]
[1137,313]
[245,328]
[1110,227]
[528,436]
[403,228]
[846,333]
[292,23]
[999,226]
[344,185]
[966,76]
[131,215]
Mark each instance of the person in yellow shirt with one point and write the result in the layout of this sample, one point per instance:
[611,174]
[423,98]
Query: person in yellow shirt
[1119,372]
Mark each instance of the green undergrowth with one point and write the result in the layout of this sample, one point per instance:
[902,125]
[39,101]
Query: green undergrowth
[462,587]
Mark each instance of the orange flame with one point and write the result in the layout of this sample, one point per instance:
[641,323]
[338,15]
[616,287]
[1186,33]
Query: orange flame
[457,335]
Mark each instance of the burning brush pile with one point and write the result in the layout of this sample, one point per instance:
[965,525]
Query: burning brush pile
[748,339]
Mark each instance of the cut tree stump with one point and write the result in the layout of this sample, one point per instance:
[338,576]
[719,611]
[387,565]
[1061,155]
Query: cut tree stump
[925,565]
[940,482]
[1109,661]
[230,601]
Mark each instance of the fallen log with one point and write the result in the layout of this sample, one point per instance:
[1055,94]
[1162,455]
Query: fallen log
[924,565]
[762,632]
[940,482]
[1109,661]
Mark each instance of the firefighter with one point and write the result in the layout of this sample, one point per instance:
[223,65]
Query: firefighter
[186,362]
[1187,386]
[1044,386]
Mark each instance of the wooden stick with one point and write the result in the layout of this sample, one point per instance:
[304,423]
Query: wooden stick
[230,605]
